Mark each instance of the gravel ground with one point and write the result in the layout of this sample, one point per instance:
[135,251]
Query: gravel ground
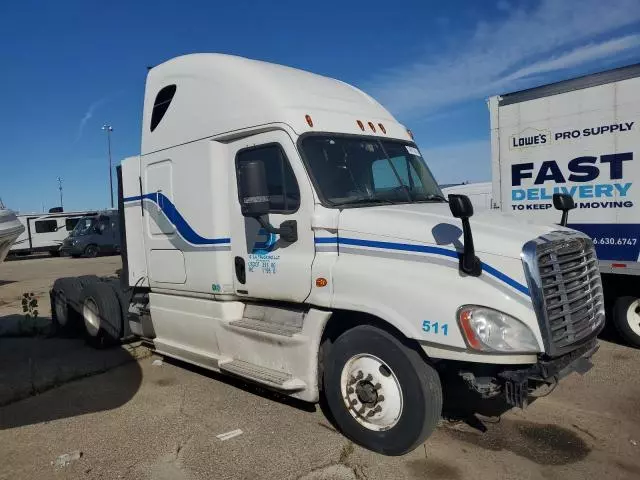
[36,273]
[156,420]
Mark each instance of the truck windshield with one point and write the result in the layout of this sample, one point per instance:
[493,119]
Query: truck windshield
[359,171]
[83,227]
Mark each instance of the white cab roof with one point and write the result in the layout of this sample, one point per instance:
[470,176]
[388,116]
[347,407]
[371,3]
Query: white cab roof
[217,94]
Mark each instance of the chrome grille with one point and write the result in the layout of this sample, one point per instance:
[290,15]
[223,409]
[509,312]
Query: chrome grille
[569,291]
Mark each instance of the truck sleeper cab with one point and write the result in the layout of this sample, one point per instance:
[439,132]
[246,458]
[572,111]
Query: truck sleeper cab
[283,227]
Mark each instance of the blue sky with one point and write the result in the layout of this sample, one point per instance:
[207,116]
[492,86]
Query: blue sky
[69,66]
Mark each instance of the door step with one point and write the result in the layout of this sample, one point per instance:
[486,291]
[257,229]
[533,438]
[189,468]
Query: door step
[266,327]
[266,376]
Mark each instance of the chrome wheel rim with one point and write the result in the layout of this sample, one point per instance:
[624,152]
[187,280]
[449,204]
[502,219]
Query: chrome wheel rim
[633,316]
[371,392]
[91,317]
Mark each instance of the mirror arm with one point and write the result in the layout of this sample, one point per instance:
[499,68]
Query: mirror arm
[267,226]
[288,230]
[469,263]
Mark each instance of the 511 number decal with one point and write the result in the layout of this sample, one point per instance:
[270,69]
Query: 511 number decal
[436,328]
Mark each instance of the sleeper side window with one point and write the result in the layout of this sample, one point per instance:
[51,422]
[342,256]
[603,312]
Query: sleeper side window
[284,194]
[161,105]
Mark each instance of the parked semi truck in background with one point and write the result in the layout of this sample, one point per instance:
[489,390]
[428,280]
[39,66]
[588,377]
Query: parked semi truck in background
[580,137]
[283,227]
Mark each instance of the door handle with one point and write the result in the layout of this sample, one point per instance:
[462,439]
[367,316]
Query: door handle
[241,271]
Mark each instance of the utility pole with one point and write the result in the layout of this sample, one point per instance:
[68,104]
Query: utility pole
[108,128]
[60,188]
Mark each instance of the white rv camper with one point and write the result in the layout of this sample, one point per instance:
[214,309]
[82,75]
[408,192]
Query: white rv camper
[45,232]
[284,228]
[579,137]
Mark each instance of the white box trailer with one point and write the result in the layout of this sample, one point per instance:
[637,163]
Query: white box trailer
[283,227]
[45,232]
[580,137]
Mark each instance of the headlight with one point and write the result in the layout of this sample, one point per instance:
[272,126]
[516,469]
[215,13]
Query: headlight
[74,242]
[489,330]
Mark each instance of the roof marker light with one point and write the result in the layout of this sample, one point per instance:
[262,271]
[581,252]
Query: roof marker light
[308,119]
[360,124]
[410,133]
[372,127]
[384,130]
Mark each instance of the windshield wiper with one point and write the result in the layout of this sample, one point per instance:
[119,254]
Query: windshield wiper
[433,197]
[365,200]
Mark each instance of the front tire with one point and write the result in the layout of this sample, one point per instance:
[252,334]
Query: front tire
[382,394]
[91,251]
[626,318]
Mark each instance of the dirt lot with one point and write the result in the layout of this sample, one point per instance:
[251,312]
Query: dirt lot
[36,273]
[140,420]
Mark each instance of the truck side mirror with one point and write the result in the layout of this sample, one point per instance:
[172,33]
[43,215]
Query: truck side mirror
[254,200]
[462,208]
[254,193]
[563,202]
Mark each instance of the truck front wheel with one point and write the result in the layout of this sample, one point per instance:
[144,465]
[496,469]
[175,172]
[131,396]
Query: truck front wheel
[381,392]
[626,318]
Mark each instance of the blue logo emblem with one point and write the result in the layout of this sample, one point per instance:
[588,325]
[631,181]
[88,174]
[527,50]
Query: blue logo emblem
[262,247]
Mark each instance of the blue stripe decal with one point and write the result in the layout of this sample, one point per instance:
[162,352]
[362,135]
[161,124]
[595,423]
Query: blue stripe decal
[321,240]
[185,230]
[178,221]
[405,247]
[506,279]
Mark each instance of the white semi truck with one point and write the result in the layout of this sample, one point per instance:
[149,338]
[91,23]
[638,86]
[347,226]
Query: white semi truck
[283,227]
[579,137]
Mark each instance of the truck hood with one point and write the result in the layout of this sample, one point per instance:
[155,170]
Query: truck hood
[432,223]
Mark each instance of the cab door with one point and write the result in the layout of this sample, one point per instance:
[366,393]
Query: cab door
[266,266]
